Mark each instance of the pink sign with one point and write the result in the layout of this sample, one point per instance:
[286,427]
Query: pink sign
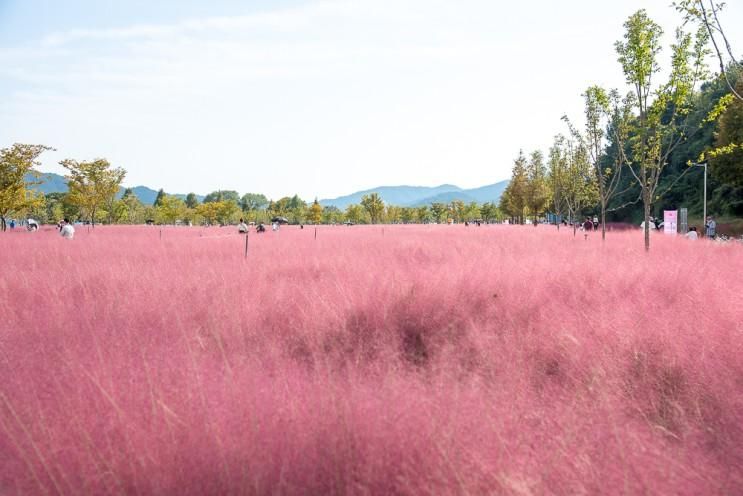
[670,217]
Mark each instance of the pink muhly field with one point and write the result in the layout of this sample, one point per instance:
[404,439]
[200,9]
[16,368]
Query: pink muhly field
[369,360]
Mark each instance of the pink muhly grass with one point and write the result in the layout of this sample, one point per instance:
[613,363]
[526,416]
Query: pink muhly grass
[430,360]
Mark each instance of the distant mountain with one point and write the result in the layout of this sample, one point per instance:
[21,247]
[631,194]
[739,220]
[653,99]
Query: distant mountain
[54,183]
[49,183]
[394,195]
[414,196]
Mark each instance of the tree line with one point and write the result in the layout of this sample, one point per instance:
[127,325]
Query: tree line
[634,153]
[94,187]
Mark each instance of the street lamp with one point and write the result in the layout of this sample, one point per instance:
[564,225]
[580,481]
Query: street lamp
[704,215]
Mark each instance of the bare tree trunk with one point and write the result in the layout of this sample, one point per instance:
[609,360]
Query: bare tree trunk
[647,223]
[603,221]
[2,223]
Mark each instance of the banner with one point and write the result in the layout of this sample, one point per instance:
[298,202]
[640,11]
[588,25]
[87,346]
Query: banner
[670,218]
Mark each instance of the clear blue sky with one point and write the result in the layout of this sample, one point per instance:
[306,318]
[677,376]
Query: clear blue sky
[319,98]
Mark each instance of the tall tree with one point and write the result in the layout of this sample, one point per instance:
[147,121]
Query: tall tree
[557,178]
[92,184]
[315,214]
[159,198]
[17,163]
[608,118]
[727,159]
[537,190]
[171,209]
[191,200]
[222,195]
[513,200]
[579,179]
[354,213]
[662,122]
[709,18]
[374,206]
[129,208]
[253,201]
[439,211]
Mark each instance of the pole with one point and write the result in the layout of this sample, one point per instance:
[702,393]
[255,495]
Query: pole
[246,244]
[315,233]
[704,215]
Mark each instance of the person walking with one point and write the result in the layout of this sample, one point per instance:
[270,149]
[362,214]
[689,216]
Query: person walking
[710,227]
[67,231]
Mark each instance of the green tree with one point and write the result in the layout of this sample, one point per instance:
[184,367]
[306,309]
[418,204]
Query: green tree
[607,116]
[129,209]
[192,200]
[159,198]
[92,184]
[557,178]
[513,200]
[222,195]
[423,214]
[17,163]
[374,206]
[253,201]
[332,215]
[726,161]
[171,209]
[709,19]
[439,211]
[316,211]
[537,190]
[579,188]
[658,131]
[354,213]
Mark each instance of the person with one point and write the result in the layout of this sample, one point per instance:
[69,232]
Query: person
[710,227]
[242,227]
[12,223]
[275,226]
[32,225]
[261,228]
[587,225]
[595,223]
[67,231]
[692,234]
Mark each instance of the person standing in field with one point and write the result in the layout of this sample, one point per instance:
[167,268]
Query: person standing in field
[692,234]
[595,223]
[710,227]
[588,225]
[12,223]
[67,231]
[242,228]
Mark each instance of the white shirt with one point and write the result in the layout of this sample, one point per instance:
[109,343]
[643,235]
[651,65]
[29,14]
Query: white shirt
[242,227]
[692,235]
[67,231]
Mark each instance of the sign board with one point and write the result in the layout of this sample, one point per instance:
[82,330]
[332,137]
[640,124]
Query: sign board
[670,218]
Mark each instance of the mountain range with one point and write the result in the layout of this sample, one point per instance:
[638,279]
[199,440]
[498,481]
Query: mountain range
[403,196]
[54,183]
[416,196]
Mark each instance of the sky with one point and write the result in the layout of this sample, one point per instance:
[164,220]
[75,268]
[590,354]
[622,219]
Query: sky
[318,98]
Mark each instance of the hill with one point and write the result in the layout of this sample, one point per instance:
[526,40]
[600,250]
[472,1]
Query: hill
[414,196]
[55,183]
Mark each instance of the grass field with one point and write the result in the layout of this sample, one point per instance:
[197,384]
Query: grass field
[369,360]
